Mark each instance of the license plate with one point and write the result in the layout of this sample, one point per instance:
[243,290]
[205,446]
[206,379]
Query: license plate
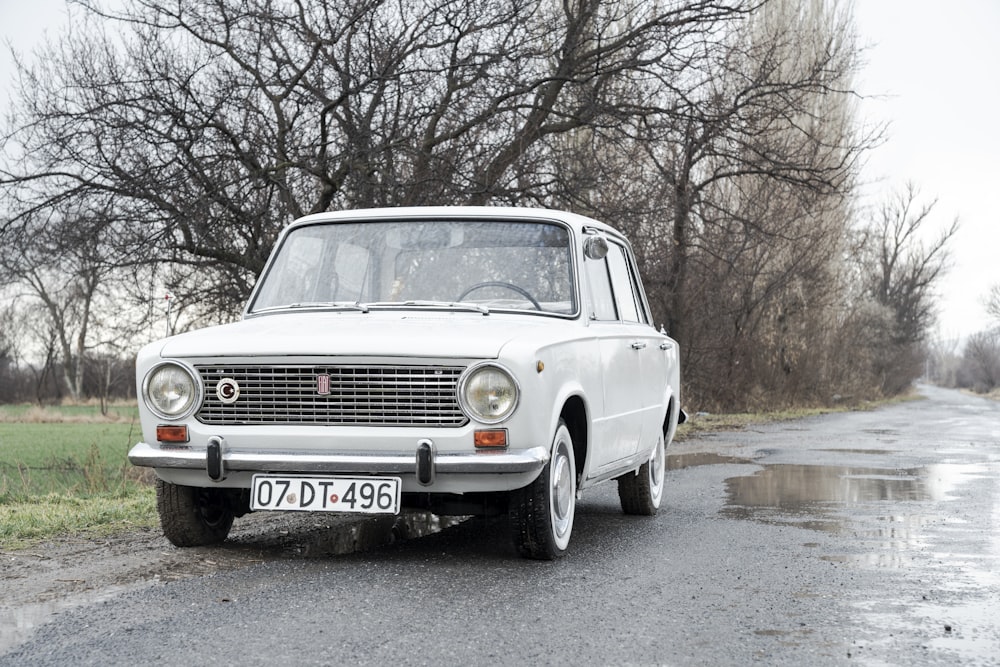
[366,495]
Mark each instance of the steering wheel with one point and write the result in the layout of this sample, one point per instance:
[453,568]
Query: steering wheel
[520,290]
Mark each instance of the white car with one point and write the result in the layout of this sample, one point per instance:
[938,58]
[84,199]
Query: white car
[460,360]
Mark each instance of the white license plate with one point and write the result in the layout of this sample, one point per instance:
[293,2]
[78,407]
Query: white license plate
[367,495]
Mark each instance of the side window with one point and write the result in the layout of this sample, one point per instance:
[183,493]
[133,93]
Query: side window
[601,305]
[626,294]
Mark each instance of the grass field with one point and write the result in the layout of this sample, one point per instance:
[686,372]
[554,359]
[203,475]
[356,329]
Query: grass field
[65,470]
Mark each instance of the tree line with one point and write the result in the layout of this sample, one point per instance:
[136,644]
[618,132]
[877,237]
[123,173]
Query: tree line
[162,147]
[973,363]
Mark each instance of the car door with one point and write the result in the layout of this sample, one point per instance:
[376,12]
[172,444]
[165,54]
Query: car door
[618,426]
[646,345]
[651,347]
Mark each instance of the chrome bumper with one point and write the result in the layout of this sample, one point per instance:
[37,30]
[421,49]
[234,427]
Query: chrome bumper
[236,460]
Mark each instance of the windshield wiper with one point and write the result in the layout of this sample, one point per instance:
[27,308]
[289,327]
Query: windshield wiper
[326,305]
[445,305]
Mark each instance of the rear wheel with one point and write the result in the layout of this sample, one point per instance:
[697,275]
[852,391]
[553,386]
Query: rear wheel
[641,493]
[541,514]
[192,516]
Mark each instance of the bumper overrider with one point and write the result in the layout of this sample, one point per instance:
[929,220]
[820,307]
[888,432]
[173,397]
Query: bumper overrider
[424,463]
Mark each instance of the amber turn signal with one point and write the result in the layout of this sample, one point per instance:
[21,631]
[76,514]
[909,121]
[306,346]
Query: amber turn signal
[172,433]
[493,439]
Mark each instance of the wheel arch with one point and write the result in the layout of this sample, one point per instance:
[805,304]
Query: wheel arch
[574,414]
[672,418]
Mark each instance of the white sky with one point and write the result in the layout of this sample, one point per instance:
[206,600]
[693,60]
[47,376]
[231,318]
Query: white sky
[938,63]
[936,66]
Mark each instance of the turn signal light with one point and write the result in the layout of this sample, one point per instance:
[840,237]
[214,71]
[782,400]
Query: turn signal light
[172,433]
[492,439]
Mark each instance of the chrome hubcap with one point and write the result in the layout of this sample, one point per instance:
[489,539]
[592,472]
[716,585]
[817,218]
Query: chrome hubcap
[657,467]
[562,493]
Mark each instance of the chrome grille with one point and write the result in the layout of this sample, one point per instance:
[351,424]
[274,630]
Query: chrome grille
[358,395]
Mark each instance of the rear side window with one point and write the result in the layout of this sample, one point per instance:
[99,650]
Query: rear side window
[601,306]
[623,282]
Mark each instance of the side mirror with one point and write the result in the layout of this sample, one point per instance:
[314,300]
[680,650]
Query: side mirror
[595,247]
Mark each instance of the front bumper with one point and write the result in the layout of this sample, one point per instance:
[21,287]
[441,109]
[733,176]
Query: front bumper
[427,470]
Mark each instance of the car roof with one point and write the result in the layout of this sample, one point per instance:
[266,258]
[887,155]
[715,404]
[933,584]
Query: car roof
[485,212]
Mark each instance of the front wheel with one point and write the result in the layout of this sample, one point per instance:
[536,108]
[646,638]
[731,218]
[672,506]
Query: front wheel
[641,493]
[192,516]
[541,514]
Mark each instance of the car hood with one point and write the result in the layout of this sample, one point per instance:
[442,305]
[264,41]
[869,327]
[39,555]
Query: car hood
[388,334]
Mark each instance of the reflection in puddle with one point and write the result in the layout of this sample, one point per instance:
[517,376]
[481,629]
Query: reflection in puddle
[375,533]
[799,486]
[681,461]
[899,541]
[962,631]
[871,452]
[17,624]
[309,537]
[808,496]
[815,496]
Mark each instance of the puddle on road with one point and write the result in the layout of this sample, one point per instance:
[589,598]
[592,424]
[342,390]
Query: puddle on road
[896,519]
[816,496]
[16,625]
[302,535]
[813,496]
[370,534]
[681,461]
[871,452]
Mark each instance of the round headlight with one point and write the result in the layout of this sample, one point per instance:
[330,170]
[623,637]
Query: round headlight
[489,394]
[171,391]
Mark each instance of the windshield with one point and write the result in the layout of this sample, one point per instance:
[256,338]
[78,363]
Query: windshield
[486,264]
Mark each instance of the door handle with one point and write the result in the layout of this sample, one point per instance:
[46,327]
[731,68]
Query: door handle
[638,345]
[666,346]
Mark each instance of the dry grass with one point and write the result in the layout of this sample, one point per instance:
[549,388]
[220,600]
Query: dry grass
[67,414]
[993,395]
[701,423]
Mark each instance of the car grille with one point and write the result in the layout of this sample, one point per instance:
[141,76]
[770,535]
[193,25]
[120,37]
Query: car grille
[358,395]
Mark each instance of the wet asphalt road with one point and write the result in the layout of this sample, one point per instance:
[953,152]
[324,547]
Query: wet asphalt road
[867,538]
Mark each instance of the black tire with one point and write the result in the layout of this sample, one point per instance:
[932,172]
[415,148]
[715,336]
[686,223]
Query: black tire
[642,492]
[541,514]
[193,516]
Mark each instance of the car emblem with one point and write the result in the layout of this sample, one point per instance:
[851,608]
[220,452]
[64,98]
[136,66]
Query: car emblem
[228,390]
[323,384]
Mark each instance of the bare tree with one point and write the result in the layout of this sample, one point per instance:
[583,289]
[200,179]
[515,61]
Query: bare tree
[9,354]
[992,303]
[719,134]
[980,368]
[63,271]
[736,187]
[903,270]
[212,124]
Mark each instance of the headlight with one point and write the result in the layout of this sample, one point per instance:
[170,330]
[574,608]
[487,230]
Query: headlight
[488,393]
[171,391]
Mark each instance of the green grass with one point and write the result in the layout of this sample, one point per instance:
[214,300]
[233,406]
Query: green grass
[44,517]
[78,458]
[69,476]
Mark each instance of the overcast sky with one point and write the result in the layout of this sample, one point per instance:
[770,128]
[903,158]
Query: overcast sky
[936,68]
[938,64]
